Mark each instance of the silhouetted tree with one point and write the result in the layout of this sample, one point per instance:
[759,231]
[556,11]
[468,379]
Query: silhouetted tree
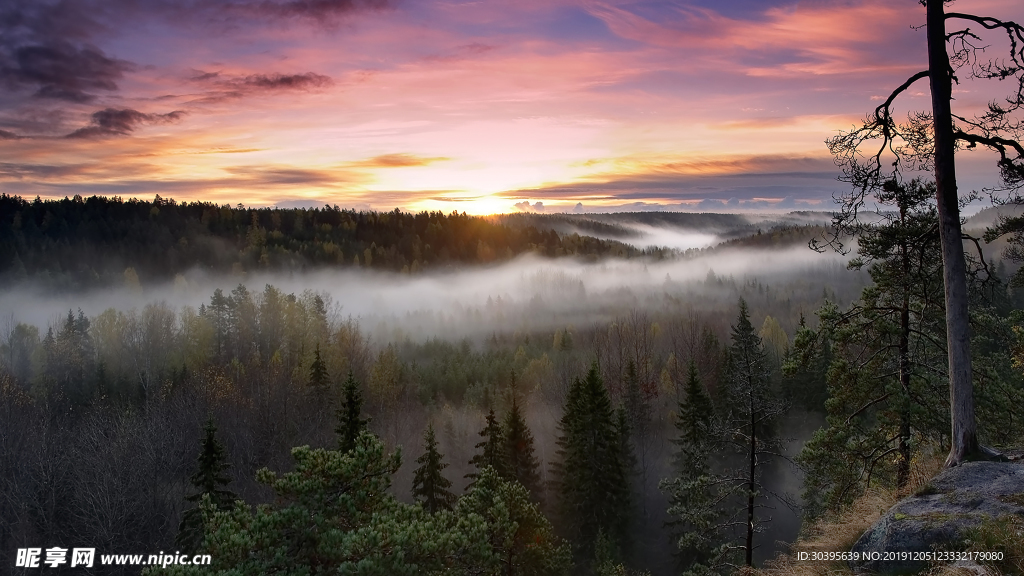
[591,475]
[429,486]
[490,449]
[691,492]
[520,462]
[350,420]
[209,482]
[752,411]
[694,427]
[318,378]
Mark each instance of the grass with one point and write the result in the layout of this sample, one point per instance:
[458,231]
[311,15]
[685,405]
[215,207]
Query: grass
[1006,535]
[1015,499]
[840,532]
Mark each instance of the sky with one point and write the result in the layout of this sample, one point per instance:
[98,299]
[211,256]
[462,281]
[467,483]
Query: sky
[480,106]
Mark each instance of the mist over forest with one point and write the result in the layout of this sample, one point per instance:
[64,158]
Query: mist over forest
[128,327]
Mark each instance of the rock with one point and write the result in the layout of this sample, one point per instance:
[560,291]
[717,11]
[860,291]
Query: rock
[938,516]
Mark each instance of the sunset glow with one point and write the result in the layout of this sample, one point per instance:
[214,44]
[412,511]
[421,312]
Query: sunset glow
[449,105]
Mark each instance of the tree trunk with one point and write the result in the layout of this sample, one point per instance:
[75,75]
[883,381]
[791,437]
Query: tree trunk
[961,394]
[751,485]
[903,465]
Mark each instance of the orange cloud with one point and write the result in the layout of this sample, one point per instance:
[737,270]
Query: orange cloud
[397,161]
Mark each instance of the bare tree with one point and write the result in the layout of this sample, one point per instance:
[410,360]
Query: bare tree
[882,149]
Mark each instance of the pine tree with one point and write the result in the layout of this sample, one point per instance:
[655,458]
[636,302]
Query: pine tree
[694,427]
[691,493]
[334,513]
[350,421]
[490,449]
[520,462]
[429,486]
[709,505]
[884,395]
[209,481]
[805,368]
[637,413]
[318,378]
[520,536]
[592,478]
[752,410]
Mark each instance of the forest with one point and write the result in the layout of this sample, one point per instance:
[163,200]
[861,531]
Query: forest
[76,243]
[317,391]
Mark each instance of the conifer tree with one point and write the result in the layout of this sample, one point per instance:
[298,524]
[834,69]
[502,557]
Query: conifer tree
[520,536]
[209,481]
[334,514]
[885,396]
[805,368]
[520,462]
[637,413]
[350,420]
[591,476]
[318,378]
[489,449]
[694,427]
[691,493]
[709,505]
[753,408]
[429,486]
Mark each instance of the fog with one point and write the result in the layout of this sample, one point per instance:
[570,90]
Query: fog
[529,293]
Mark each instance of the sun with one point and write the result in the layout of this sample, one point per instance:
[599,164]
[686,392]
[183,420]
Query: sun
[474,205]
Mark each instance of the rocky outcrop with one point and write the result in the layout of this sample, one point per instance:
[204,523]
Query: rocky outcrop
[939,516]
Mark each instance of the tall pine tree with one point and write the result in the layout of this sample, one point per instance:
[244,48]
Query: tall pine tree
[885,396]
[520,462]
[350,420]
[319,380]
[429,486]
[209,480]
[691,493]
[693,427]
[710,505]
[753,409]
[490,449]
[591,475]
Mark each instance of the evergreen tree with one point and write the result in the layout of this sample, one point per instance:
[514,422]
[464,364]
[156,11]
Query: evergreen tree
[693,427]
[334,514]
[350,420]
[520,462]
[591,476]
[753,409]
[429,486]
[884,396]
[519,534]
[209,482]
[318,378]
[636,412]
[709,505]
[805,368]
[886,399]
[490,449]
[692,492]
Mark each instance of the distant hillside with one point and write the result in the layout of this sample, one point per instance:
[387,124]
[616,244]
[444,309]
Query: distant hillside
[78,242]
[626,226]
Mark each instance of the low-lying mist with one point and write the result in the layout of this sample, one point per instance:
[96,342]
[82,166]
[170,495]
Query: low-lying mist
[527,294]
